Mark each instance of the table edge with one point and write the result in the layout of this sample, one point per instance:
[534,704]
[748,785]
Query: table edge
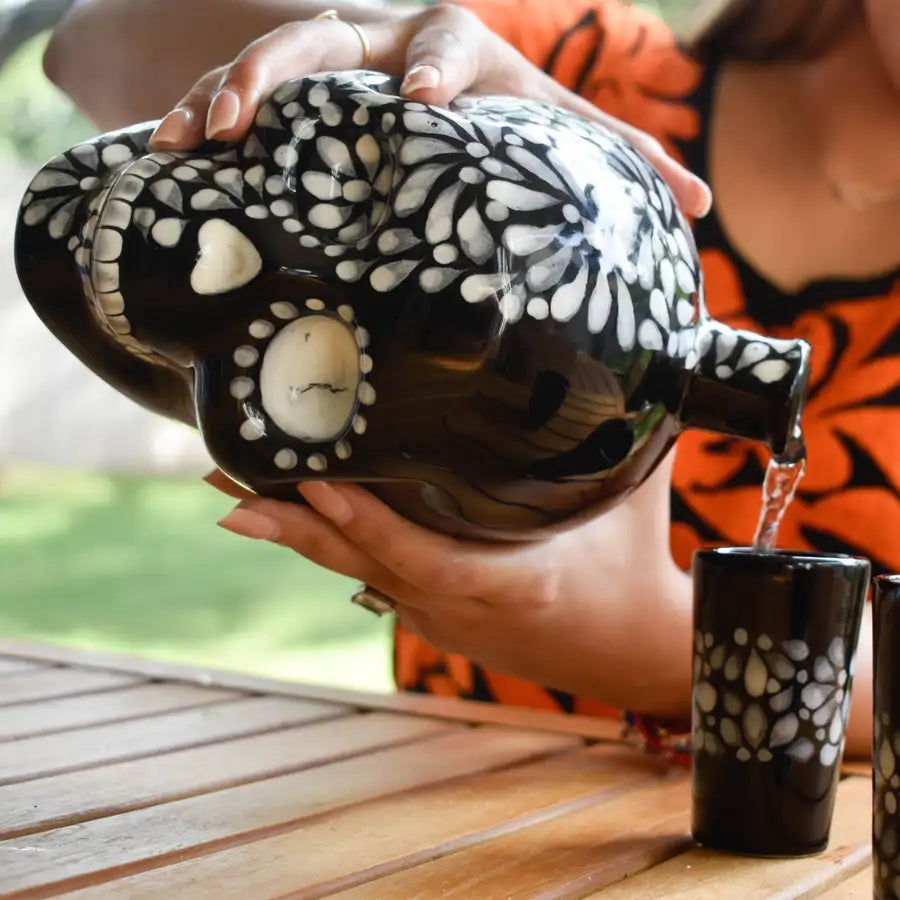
[448,708]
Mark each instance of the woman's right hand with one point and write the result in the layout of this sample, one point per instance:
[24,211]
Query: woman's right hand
[440,53]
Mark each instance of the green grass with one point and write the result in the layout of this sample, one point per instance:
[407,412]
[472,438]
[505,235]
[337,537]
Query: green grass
[37,121]
[138,565]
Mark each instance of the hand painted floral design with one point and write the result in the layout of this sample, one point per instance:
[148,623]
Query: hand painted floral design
[639,235]
[348,174]
[494,200]
[525,211]
[515,203]
[825,699]
[756,699]
[885,821]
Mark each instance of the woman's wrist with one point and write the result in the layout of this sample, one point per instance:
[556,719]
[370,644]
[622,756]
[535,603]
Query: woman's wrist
[126,83]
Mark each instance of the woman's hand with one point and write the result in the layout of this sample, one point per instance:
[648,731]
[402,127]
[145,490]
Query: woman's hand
[440,53]
[616,628]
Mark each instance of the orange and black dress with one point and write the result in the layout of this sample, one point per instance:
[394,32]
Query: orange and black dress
[628,63]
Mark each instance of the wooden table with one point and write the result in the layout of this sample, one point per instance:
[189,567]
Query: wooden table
[127,779]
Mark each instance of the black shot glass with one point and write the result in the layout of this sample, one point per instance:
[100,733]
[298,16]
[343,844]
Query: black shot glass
[775,638]
[886,738]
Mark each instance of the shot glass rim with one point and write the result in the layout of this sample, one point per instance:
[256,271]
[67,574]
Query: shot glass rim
[781,559]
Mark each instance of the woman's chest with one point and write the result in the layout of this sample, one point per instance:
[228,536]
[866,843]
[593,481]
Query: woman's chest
[797,235]
[799,206]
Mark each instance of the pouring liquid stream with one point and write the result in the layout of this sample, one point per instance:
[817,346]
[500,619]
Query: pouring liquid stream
[782,478]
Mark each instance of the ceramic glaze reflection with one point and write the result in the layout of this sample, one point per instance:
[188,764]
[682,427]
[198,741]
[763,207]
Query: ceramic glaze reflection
[504,305]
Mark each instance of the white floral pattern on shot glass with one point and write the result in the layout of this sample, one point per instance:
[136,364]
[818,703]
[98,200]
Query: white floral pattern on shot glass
[755,698]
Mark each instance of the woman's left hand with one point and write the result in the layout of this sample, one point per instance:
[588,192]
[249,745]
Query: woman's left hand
[445,590]
[535,610]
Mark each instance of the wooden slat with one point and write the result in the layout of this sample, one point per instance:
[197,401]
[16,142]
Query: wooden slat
[93,851]
[39,756]
[10,665]
[564,857]
[92,793]
[437,707]
[66,713]
[859,887]
[378,838]
[705,873]
[43,684]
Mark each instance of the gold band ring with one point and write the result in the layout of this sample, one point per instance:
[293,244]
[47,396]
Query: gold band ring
[332,15]
[374,601]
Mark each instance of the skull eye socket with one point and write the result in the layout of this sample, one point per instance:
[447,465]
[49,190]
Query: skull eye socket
[310,377]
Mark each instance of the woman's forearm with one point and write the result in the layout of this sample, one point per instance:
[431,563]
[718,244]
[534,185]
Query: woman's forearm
[653,611]
[620,630]
[123,61]
[642,652]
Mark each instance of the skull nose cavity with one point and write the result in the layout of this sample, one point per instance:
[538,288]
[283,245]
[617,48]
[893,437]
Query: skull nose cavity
[310,378]
[226,259]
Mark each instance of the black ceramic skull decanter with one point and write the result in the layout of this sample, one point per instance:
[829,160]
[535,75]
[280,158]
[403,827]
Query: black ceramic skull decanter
[492,316]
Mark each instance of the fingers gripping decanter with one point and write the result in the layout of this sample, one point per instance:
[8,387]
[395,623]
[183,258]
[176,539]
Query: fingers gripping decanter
[491,315]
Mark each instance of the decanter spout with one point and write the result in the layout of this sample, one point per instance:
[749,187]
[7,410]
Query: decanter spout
[748,386]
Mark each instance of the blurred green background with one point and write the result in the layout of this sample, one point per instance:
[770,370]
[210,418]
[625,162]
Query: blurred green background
[136,564]
[36,121]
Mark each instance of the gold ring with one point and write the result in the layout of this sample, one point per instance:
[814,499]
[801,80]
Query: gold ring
[374,601]
[332,15]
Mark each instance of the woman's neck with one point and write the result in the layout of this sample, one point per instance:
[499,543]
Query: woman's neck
[849,111]
[803,165]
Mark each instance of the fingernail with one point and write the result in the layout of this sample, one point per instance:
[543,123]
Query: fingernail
[705,201]
[325,499]
[251,524]
[420,77]
[173,128]
[223,112]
